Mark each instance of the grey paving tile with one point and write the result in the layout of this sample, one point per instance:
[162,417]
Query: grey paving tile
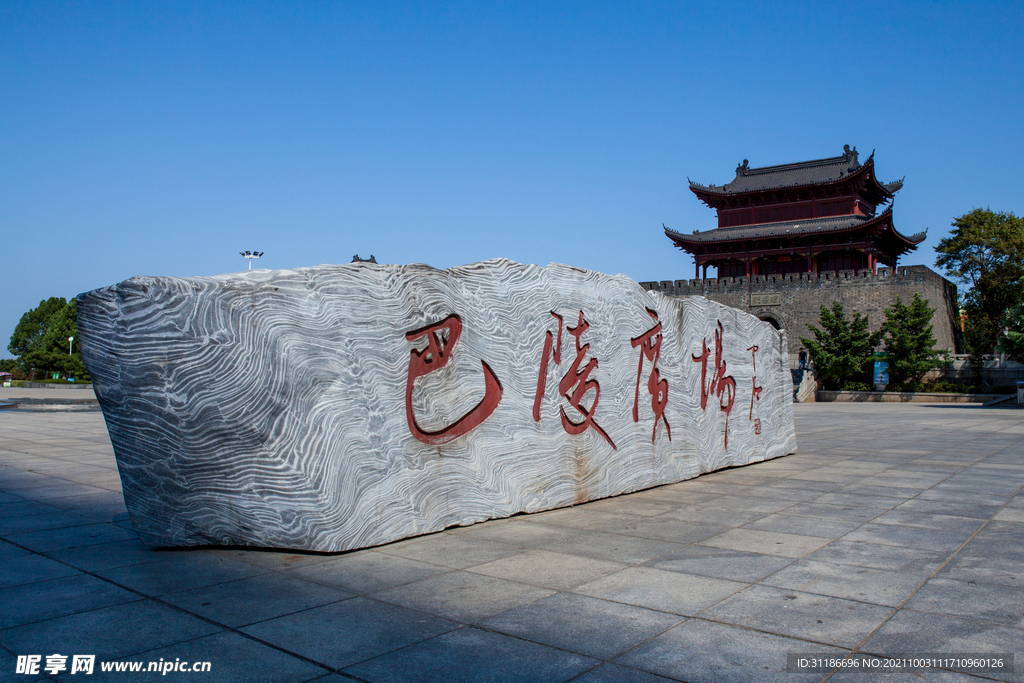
[751,504]
[916,677]
[256,598]
[633,504]
[829,475]
[977,486]
[776,492]
[9,551]
[938,540]
[879,491]
[343,633]
[272,560]
[709,514]
[667,529]
[846,513]
[30,569]
[720,563]
[948,507]
[1008,514]
[29,603]
[9,665]
[1000,571]
[973,600]
[558,571]
[529,534]
[841,498]
[613,673]
[699,651]
[71,537]
[470,655]
[833,621]
[454,551]
[233,657]
[661,590]
[909,631]
[804,526]
[928,520]
[614,547]
[766,542]
[581,624]
[180,572]
[462,596]
[366,571]
[878,556]
[109,632]
[877,586]
[23,508]
[93,558]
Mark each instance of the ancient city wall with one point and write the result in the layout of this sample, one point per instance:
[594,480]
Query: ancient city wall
[793,301]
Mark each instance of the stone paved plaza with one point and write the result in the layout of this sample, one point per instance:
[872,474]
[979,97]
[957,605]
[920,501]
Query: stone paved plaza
[897,528]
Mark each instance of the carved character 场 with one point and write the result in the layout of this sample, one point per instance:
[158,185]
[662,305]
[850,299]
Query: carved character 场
[434,357]
[722,385]
[755,392]
[575,384]
[650,347]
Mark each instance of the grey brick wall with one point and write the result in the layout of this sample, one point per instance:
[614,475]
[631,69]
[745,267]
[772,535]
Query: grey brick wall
[802,296]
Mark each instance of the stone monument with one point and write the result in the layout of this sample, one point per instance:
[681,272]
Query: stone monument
[341,407]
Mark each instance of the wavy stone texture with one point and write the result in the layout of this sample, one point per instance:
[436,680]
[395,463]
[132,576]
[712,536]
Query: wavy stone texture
[268,408]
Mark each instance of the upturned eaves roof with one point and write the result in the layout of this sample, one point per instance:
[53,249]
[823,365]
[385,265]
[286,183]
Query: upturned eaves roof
[800,174]
[789,228]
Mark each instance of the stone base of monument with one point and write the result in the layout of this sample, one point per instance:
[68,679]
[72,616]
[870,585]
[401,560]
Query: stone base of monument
[342,407]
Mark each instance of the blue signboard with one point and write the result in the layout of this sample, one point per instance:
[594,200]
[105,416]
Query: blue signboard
[881,372]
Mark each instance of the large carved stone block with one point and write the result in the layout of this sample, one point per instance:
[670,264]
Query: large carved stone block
[341,407]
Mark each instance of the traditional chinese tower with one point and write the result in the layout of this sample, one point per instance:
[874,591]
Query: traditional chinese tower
[807,217]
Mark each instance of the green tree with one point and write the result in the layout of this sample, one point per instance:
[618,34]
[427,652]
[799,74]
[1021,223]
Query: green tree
[908,339]
[985,251]
[841,350]
[40,339]
[1012,341]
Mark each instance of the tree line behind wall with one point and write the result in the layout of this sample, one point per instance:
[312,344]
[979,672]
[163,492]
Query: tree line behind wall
[40,342]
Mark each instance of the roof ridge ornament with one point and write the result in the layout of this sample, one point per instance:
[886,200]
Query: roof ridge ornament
[851,156]
[742,168]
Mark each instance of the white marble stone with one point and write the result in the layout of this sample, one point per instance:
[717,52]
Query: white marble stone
[269,408]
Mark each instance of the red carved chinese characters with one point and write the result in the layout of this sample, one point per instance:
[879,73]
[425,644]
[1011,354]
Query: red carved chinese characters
[722,385]
[755,393]
[575,383]
[434,357]
[650,347]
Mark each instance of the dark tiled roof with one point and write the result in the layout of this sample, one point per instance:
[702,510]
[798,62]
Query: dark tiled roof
[814,172]
[793,228]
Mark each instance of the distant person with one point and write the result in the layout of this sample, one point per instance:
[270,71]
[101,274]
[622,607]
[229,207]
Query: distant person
[802,356]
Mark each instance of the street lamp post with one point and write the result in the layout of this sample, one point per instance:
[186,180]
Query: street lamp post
[70,339]
[251,255]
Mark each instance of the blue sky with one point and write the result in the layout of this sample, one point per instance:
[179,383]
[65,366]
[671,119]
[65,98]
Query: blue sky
[162,139]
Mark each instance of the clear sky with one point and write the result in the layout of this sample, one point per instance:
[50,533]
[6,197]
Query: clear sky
[163,138]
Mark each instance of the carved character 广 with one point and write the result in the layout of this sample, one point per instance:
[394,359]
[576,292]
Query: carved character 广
[650,347]
[575,384]
[755,393]
[434,357]
[722,385]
